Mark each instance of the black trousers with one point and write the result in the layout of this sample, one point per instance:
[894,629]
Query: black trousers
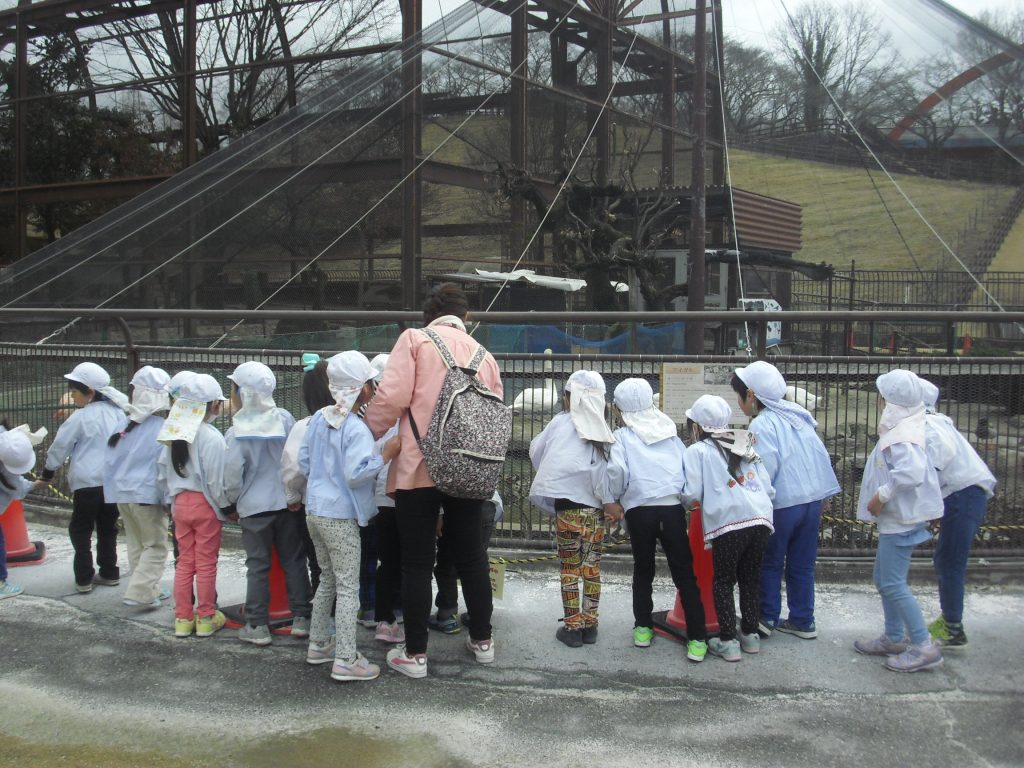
[416,512]
[447,600]
[90,513]
[648,526]
[389,570]
[737,558]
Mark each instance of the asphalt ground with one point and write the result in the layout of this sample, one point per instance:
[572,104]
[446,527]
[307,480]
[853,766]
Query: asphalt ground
[87,681]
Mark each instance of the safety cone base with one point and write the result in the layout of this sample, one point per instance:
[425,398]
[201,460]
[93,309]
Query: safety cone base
[35,557]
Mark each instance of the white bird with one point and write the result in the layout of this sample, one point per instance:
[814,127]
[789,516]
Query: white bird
[801,396]
[542,399]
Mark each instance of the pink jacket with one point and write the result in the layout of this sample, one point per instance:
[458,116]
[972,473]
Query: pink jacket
[412,382]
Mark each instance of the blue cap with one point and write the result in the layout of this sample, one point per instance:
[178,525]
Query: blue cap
[309,361]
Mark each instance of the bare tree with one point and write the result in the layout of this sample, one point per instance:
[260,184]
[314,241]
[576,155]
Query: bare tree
[997,99]
[233,33]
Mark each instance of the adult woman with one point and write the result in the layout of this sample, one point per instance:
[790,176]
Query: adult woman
[410,389]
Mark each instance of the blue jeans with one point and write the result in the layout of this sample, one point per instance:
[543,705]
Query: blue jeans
[902,612]
[960,522]
[793,550]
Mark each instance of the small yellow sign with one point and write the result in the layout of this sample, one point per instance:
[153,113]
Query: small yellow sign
[497,580]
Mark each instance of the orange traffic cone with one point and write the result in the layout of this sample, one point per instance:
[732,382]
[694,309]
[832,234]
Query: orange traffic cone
[673,623]
[20,551]
[279,614]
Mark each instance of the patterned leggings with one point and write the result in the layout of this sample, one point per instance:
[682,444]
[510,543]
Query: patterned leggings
[337,552]
[736,557]
[579,533]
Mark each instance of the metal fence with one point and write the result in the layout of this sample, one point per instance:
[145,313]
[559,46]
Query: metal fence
[984,396]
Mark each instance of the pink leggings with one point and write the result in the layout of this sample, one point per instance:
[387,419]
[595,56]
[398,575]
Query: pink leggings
[198,531]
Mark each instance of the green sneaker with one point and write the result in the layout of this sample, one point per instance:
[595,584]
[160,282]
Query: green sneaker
[939,630]
[207,625]
[696,650]
[184,627]
[642,637]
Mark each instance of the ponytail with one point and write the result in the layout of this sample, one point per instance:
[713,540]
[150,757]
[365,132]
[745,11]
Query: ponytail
[731,459]
[116,437]
[179,456]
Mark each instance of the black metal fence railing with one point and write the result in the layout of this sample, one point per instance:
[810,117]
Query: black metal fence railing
[984,397]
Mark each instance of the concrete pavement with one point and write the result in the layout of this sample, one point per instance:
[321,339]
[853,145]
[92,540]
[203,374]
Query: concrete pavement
[85,680]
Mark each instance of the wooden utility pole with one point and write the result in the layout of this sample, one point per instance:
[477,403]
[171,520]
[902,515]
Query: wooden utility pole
[698,207]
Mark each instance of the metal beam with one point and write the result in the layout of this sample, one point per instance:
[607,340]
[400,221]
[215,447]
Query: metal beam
[698,208]
[412,186]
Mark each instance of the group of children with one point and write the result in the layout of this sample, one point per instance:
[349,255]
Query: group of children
[758,493]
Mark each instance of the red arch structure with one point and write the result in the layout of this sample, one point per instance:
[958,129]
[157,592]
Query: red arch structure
[945,91]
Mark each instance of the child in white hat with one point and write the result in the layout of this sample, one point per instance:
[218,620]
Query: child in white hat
[900,493]
[643,484]
[83,440]
[16,458]
[252,479]
[802,476]
[341,465]
[725,476]
[191,471]
[130,481]
[966,484]
[570,457]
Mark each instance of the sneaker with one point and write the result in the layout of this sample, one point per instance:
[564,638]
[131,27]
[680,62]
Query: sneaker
[300,626]
[366,618]
[938,629]
[450,625]
[880,646]
[256,635]
[956,641]
[411,666]
[765,629]
[103,581]
[184,627]
[320,653]
[571,637]
[390,633]
[83,588]
[696,650]
[10,590]
[642,637]
[805,633]
[916,658]
[482,649]
[207,625]
[725,649]
[750,643]
[360,669]
[165,594]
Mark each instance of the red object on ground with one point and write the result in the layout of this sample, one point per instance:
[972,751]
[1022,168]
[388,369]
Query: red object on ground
[279,616]
[704,570]
[968,342]
[20,551]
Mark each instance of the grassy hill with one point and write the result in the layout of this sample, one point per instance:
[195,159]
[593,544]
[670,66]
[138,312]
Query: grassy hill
[845,218]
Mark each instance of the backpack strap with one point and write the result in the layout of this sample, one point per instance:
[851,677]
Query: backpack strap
[449,360]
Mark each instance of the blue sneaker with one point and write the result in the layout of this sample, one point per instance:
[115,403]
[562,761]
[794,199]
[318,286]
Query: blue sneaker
[806,633]
[10,590]
[449,626]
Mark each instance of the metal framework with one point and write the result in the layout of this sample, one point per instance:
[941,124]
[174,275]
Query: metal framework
[604,28]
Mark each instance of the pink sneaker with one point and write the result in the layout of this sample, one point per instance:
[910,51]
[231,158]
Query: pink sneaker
[483,650]
[411,666]
[390,633]
[360,669]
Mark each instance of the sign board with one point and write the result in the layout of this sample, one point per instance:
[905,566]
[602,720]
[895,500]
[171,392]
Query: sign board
[683,383]
[497,580]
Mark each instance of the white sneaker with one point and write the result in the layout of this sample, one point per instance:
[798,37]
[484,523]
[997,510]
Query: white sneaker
[360,669]
[390,633]
[411,666]
[483,650]
[300,626]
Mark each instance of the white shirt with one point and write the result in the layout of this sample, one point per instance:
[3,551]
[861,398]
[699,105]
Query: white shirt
[380,490]
[129,475]
[204,470]
[566,466]
[958,464]
[726,504]
[639,474]
[83,438]
[906,484]
[796,460]
[292,477]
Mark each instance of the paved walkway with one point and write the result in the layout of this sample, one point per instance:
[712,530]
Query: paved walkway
[86,681]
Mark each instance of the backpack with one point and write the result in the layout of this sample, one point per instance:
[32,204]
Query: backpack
[465,445]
